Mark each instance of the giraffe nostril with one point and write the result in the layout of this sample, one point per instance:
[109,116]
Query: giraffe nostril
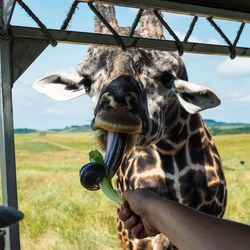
[121,101]
[106,104]
[132,101]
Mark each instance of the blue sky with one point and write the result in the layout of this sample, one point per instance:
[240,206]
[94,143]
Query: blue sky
[230,79]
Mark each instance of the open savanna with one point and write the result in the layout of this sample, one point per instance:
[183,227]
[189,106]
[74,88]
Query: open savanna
[61,215]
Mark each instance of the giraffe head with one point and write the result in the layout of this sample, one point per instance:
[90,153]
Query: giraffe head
[132,91]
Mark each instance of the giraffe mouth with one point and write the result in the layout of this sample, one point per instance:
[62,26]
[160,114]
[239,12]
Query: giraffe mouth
[118,137]
[118,122]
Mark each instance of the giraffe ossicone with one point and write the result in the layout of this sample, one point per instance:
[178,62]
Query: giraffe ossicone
[146,95]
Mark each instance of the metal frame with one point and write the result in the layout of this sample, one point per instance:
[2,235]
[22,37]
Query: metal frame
[102,39]
[6,10]
[222,9]
[7,148]
[20,46]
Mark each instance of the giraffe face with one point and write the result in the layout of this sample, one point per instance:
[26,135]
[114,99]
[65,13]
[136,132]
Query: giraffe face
[133,91]
[130,90]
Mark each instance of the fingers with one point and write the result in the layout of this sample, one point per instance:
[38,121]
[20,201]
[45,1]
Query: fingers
[138,231]
[131,200]
[128,217]
[138,200]
[126,195]
[130,222]
[134,212]
[124,213]
[135,226]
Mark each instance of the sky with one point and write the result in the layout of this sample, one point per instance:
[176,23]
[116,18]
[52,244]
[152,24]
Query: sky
[229,79]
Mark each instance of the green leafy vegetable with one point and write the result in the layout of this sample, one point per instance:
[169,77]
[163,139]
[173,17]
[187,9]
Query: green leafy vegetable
[106,183]
[96,156]
[108,190]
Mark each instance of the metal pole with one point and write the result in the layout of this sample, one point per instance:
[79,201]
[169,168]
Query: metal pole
[7,148]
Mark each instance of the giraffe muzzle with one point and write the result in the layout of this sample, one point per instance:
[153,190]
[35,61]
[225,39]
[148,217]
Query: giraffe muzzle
[118,109]
[118,115]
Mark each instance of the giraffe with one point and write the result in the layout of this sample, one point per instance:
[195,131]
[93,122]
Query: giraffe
[146,95]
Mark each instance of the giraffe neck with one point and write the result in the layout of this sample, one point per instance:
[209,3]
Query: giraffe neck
[179,127]
[183,166]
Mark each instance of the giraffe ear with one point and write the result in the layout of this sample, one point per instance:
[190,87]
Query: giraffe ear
[108,12]
[60,86]
[194,98]
[150,26]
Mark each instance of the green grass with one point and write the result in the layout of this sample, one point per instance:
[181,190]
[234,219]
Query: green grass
[61,215]
[235,154]
[37,146]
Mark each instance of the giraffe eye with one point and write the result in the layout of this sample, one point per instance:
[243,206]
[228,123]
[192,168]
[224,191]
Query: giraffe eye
[166,79]
[87,83]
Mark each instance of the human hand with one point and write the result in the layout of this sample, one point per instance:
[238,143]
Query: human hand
[136,212]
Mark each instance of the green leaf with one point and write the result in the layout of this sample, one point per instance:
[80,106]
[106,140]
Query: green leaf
[96,156]
[105,184]
[108,190]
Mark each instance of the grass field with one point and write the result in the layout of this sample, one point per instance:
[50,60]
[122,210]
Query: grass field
[61,215]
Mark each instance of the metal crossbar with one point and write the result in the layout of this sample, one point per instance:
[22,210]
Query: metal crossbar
[218,29]
[171,32]
[135,23]
[45,31]
[69,15]
[190,29]
[239,34]
[106,23]
[86,38]
[195,48]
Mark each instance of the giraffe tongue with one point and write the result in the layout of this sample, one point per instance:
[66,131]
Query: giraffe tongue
[116,146]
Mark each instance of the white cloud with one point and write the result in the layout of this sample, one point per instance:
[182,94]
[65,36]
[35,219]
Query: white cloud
[245,99]
[233,95]
[133,10]
[181,36]
[192,38]
[169,15]
[166,15]
[238,97]
[213,41]
[51,111]
[238,66]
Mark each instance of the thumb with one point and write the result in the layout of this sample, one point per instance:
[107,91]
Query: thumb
[131,200]
[127,195]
